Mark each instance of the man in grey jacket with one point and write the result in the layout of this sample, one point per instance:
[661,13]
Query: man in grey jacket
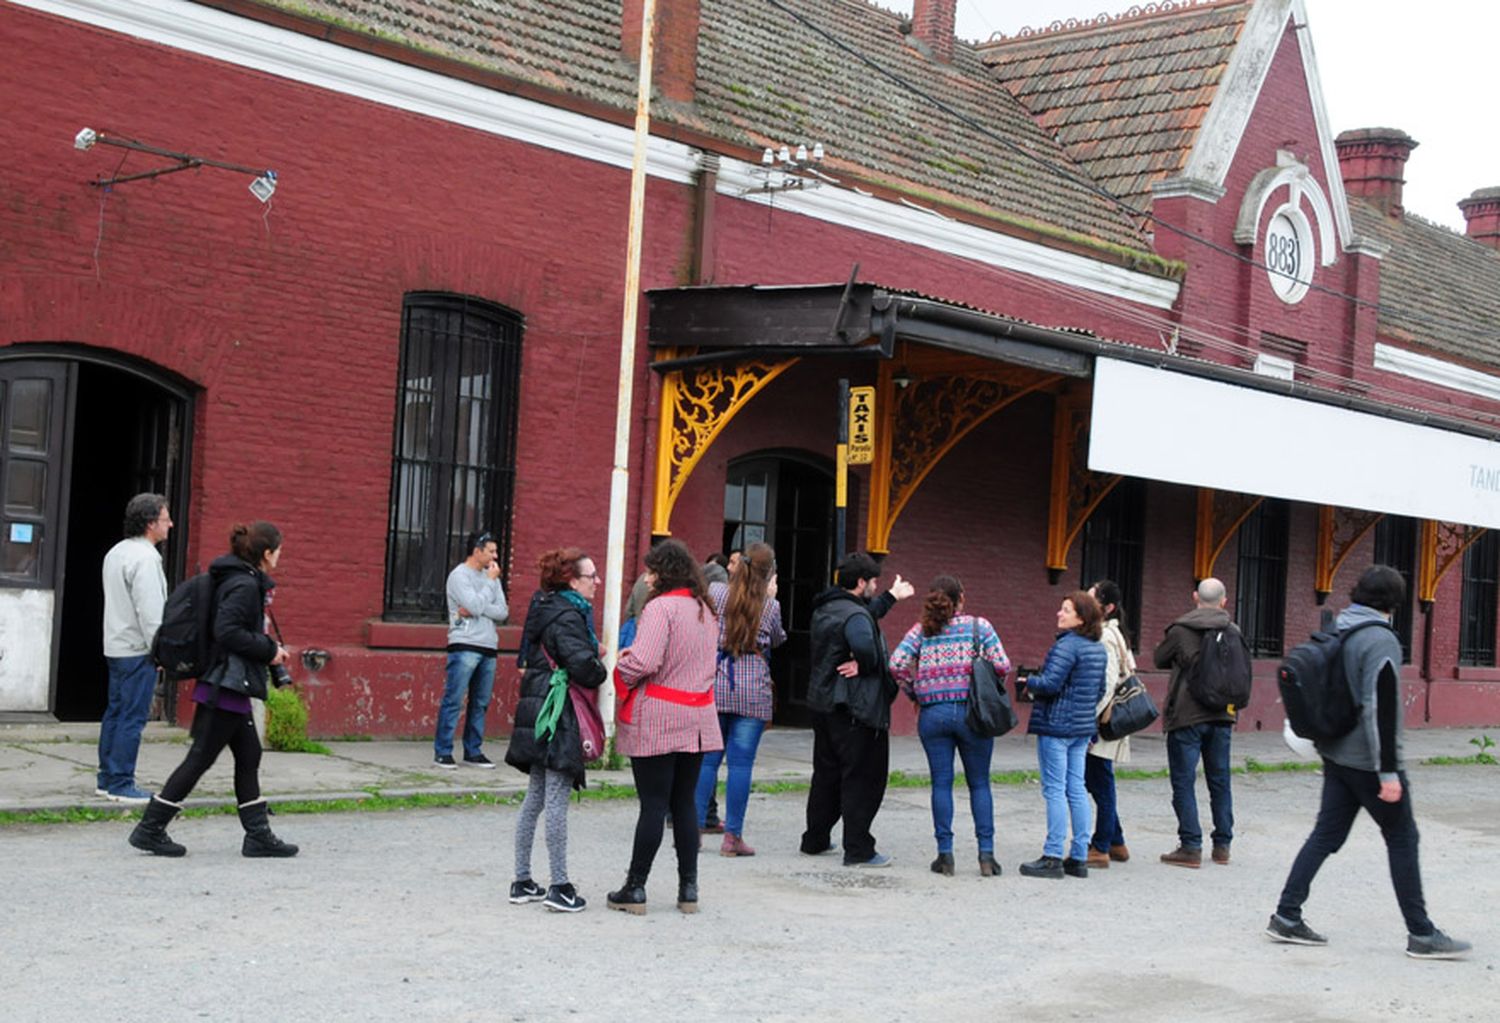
[476,604]
[1364,769]
[135,591]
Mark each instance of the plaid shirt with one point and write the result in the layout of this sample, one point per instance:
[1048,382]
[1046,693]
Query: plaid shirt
[672,648]
[742,685]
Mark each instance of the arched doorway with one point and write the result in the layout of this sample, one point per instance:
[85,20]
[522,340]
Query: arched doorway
[785,498]
[83,430]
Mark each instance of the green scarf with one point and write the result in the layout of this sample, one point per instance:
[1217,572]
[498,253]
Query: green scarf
[557,686]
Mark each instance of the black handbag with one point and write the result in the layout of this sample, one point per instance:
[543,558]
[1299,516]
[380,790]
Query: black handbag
[990,714]
[1129,710]
[237,675]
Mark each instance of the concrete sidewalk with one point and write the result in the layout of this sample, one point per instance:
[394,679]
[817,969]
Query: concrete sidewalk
[51,767]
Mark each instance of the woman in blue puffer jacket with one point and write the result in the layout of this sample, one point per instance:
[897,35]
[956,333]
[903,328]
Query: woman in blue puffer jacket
[1062,719]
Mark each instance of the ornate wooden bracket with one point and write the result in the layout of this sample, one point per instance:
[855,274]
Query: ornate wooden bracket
[1439,546]
[1339,531]
[1076,490]
[1220,515]
[920,423]
[696,404]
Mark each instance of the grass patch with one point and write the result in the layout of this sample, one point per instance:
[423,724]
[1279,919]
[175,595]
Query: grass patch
[1253,766]
[1469,761]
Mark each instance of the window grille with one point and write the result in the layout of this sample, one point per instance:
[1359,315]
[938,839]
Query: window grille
[1476,643]
[1260,597]
[1114,547]
[1396,546]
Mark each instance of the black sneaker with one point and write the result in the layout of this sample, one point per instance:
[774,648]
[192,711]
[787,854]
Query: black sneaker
[1044,866]
[1293,934]
[445,762]
[522,892]
[562,898]
[1436,945]
[482,762]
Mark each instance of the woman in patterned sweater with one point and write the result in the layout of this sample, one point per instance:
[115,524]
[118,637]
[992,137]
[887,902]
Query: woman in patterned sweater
[932,663]
[749,627]
[666,718]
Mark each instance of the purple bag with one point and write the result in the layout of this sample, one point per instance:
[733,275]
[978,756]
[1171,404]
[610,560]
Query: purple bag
[590,722]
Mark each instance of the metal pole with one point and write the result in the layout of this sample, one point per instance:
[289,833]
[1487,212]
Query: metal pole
[841,475]
[619,479]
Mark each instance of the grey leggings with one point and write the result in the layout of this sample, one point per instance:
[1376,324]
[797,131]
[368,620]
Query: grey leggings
[551,788]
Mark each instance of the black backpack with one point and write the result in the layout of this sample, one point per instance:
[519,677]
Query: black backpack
[184,643]
[1314,688]
[1219,677]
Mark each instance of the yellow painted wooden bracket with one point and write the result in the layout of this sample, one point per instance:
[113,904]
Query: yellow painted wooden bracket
[1220,516]
[1339,531]
[1439,547]
[1075,490]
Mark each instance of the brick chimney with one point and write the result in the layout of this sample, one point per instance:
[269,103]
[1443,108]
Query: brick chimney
[932,28]
[1482,211]
[1373,162]
[675,60]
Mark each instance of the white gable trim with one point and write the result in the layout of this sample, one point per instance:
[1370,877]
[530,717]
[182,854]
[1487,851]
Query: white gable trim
[1436,371]
[1239,91]
[244,42]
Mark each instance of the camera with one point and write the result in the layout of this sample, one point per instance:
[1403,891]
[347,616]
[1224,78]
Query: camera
[280,677]
[1023,695]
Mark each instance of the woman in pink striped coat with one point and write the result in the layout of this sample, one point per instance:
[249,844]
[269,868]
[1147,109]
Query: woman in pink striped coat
[666,718]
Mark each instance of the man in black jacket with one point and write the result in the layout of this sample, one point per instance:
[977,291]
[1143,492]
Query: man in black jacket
[850,691]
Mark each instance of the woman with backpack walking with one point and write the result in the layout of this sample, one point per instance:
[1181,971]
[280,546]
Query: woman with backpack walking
[559,648]
[241,666]
[1066,691]
[666,719]
[749,628]
[934,663]
[1108,841]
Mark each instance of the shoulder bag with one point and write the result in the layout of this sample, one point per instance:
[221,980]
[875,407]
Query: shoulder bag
[990,714]
[1129,710]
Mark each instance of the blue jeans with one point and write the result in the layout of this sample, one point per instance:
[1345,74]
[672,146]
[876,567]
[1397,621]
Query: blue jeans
[1061,761]
[132,683]
[741,740]
[1184,747]
[1099,779]
[942,730]
[474,672]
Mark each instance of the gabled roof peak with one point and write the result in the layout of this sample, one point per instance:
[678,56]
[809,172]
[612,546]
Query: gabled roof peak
[1138,12]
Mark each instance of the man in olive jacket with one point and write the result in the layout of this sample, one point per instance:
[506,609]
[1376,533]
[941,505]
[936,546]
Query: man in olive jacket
[850,691]
[1195,731]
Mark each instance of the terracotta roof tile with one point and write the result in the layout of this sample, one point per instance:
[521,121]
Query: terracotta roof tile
[1438,289]
[764,78]
[1126,95]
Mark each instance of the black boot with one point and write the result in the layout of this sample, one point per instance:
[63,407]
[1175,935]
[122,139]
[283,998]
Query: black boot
[150,834]
[987,865]
[260,840]
[687,893]
[1075,868]
[943,864]
[1043,866]
[631,898]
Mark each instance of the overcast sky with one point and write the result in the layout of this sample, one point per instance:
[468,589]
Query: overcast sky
[1431,69]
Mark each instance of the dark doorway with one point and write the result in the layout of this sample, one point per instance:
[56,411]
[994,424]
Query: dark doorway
[128,438]
[786,501]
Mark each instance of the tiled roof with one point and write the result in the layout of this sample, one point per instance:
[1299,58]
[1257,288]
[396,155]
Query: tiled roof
[1438,289]
[764,78]
[1126,95]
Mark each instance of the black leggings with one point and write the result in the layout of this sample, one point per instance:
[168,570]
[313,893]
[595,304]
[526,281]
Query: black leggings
[213,729]
[665,784]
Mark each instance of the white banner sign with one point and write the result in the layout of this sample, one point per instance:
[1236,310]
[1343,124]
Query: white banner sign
[1161,425]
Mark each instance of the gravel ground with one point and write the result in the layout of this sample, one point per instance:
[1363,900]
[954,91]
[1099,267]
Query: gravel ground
[401,916]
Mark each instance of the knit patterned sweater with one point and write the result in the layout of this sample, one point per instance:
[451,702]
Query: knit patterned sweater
[936,669]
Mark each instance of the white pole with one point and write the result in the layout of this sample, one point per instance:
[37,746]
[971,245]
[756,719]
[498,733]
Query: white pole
[619,479]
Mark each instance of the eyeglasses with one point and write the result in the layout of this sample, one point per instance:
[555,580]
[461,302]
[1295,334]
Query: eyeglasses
[590,575]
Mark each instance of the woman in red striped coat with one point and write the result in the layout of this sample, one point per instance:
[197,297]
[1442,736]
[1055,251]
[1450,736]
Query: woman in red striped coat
[666,718]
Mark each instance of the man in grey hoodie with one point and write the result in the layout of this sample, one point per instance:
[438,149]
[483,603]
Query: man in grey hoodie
[1365,769]
[1195,731]
[476,604]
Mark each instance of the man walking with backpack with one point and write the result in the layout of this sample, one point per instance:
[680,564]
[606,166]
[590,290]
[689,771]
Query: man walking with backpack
[1204,638]
[135,591]
[1364,768]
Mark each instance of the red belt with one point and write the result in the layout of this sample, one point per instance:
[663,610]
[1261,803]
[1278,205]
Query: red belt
[626,698]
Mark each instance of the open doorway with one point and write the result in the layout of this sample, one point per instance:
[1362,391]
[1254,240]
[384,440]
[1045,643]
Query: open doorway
[128,437]
[786,500]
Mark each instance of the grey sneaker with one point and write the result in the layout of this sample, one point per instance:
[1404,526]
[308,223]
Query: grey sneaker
[1436,945]
[878,860]
[130,794]
[1293,933]
[522,892]
[563,898]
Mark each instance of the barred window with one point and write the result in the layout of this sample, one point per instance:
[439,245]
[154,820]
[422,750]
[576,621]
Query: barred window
[1260,597]
[1396,546]
[453,470]
[1114,547]
[1476,642]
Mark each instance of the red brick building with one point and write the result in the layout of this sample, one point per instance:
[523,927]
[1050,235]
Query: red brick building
[1128,307]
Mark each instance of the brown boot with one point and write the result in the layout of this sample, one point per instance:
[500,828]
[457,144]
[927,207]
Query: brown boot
[734,845]
[1180,857]
[1221,855]
[1098,860]
[1119,853]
